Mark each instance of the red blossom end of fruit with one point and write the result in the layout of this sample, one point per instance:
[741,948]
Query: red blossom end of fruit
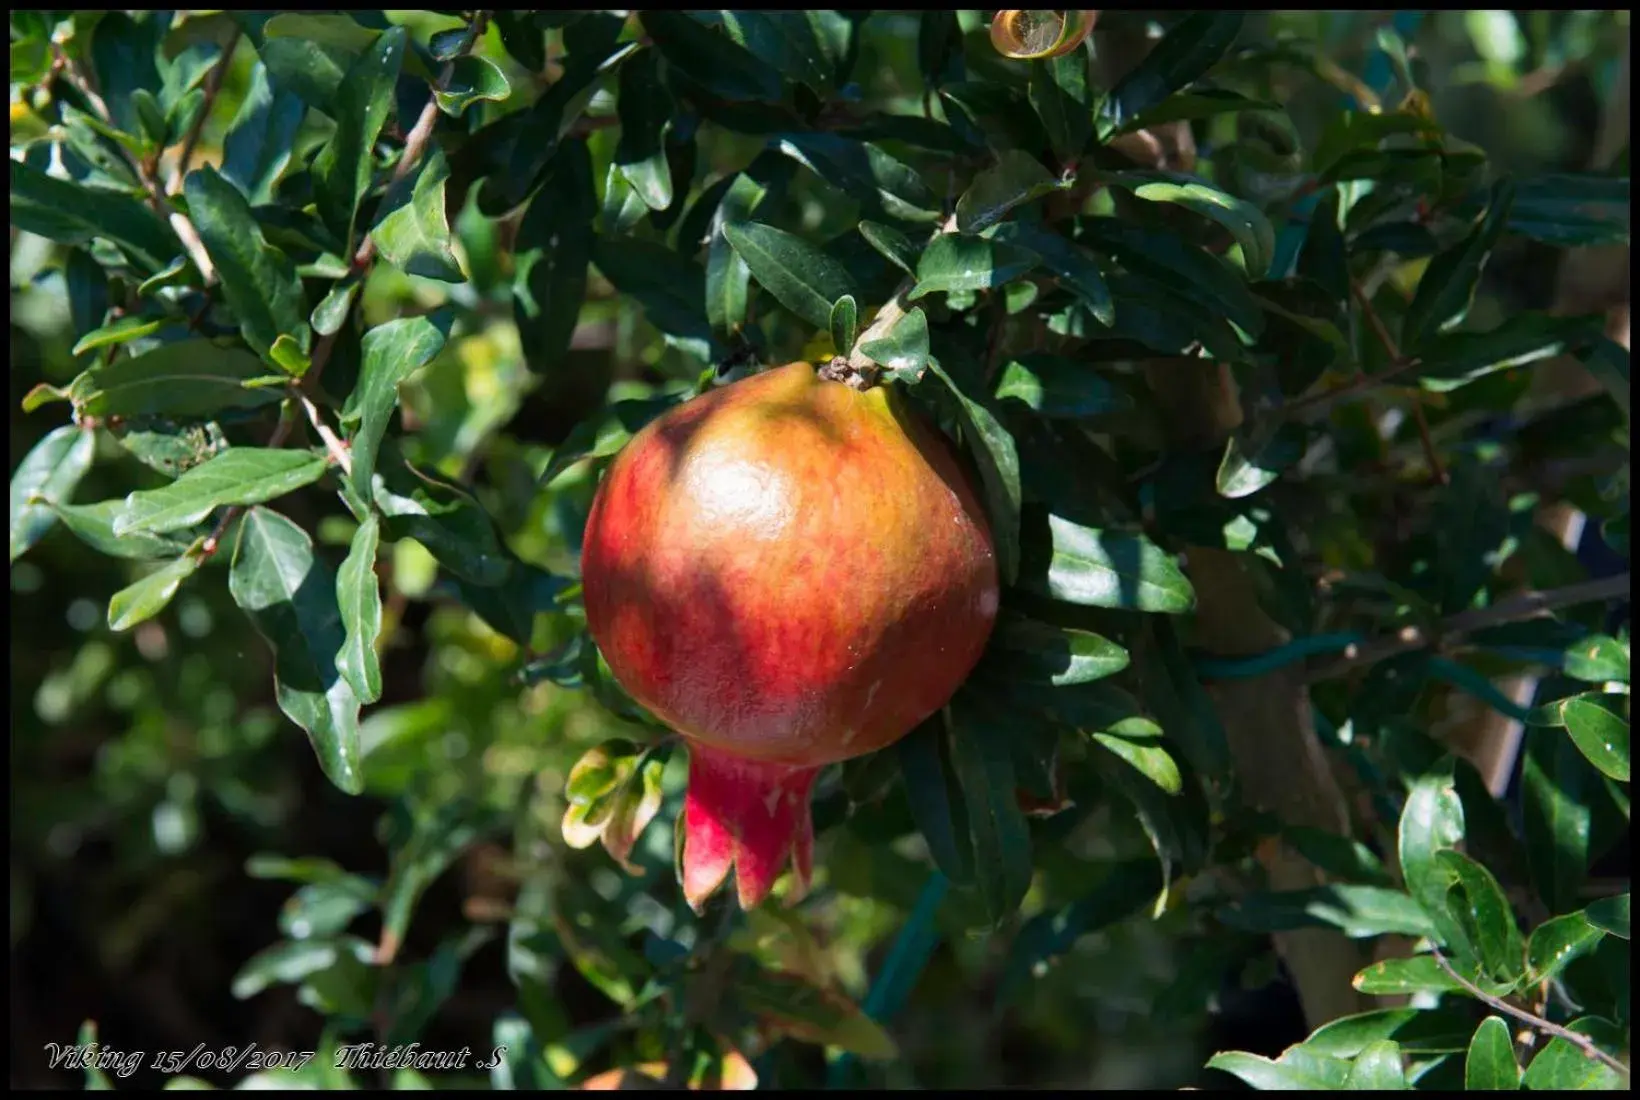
[749,816]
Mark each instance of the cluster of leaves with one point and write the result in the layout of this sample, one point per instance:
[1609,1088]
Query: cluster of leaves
[390,202]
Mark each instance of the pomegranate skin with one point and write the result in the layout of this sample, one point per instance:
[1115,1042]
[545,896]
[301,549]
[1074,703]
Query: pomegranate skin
[789,570]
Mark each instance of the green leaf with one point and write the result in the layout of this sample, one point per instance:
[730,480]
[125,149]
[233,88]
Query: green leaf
[1252,464]
[714,61]
[937,804]
[671,289]
[1194,274]
[290,596]
[1264,1074]
[239,475]
[69,213]
[288,356]
[1339,856]
[802,277]
[1126,889]
[1570,211]
[1610,915]
[262,137]
[1476,903]
[258,280]
[727,276]
[1608,361]
[1245,222]
[787,40]
[1190,106]
[1054,386]
[168,446]
[1600,733]
[1431,820]
[290,961]
[1059,93]
[789,1004]
[359,597]
[93,524]
[1378,1068]
[1017,178]
[1120,569]
[391,353]
[307,70]
[46,478]
[1042,653]
[604,435]
[145,598]
[1598,659]
[412,231]
[320,910]
[1398,977]
[864,172]
[553,249]
[645,113]
[119,332]
[1075,267]
[1556,782]
[330,315]
[1448,284]
[1418,1030]
[190,378]
[903,350]
[1454,359]
[984,770]
[1358,911]
[473,79]
[342,170]
[1184,54]
[997,457]
[1556,942]
[845,324]
[1562,1066]
[953,262]
[1136,743]
[891,244]
[446,520]
[1490,1065]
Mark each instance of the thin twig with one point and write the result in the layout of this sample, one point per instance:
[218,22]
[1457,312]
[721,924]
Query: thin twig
[889,315]
[1525,605]
[1376,323]
[333,443]
[1581,1042]
[213,85]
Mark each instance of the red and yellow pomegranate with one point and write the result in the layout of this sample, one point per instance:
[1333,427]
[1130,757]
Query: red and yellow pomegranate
[790,572]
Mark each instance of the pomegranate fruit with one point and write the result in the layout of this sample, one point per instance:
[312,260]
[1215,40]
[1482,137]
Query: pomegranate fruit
[789,572]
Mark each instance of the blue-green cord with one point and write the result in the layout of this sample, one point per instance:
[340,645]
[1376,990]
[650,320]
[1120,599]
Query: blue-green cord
[905,963]
[1262,664]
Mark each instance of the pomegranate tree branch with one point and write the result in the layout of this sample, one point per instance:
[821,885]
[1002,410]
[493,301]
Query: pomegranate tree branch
[213,86]
[1581,1042]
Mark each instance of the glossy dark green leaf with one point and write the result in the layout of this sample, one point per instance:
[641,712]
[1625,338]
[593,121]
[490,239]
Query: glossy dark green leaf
[1561,1066]
[1598,659]
[143,599]
[88,301]
[1187,270]
[671,289]
[258,280]
[1556,942]
[1610,915]
[1341,857]
[1490,1065]
[1378,1068]
[1358,911]
[1572,210]
[1448,284]
[845,324]
[343,168]
[1244,221]
[891,244]
[1058,387]
[412,231]
[331,313]
[190,378]
[359,597]
[1476,903]
[1119,569]
[645,112]
[802,278]
[169,446]
[1121,893]
[903,350]
[712,58]
[1186,52]
[1400,977]
[1057,655]
[1608,361]
[1352,131]
[1264,1074]
[937,803]
[984,770]
[68,213]
[1455,359]
[93,524]
[1418,1030]
[1137,742]
[1599,731]
[553,249]
[953,262]
[122,331]
[1059,92]
[1251,464]
[307,70]
[1189,106]
[727,276]
[261,138]
[290,596]
[604,435]
[1432,820]
[522,37]
[997,457]
[1017,178]
[445,519]
[391,353]
[787,40]
[1556,782]
[473,79]
[1075,267]
[239,475]
[46,477]
[322,909]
